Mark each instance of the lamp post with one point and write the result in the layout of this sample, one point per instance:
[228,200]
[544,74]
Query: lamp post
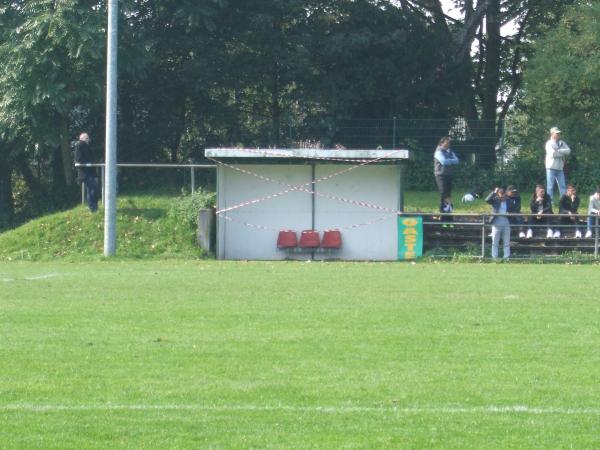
[110,186]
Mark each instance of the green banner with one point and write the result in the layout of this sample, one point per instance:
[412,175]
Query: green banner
[410,237]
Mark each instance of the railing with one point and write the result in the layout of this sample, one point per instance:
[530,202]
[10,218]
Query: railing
[192,168]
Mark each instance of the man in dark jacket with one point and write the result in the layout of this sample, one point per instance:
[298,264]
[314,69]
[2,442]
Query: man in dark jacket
[541,206]
[87,175]
[569,203]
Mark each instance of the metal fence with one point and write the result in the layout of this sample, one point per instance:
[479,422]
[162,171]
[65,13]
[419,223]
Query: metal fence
[187,168]
[481,140]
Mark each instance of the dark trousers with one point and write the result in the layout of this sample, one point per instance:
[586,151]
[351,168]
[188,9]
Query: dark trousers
[517,221]
[444,185]
[541,221]
[91,189]
[569,221]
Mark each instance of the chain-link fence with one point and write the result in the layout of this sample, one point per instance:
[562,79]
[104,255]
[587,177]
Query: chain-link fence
[480,141]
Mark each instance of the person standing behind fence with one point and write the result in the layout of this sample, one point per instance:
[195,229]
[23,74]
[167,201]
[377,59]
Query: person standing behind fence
[500,224]
[541,206]
[556,152]
[593,210]
[87,175]
[443,160]
[569,203]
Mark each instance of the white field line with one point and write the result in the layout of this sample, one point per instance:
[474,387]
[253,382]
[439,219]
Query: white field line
[41,277]
[44,276]
[516,409]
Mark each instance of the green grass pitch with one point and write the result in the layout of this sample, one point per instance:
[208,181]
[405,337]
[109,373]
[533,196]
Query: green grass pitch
[206,354]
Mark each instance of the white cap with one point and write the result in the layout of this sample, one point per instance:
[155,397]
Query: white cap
[554,130]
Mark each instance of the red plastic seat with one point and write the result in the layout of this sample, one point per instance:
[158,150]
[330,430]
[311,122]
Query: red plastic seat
[332,239]
[287,239]
[309,239]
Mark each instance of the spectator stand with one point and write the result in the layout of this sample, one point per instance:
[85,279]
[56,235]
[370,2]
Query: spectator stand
[469,234]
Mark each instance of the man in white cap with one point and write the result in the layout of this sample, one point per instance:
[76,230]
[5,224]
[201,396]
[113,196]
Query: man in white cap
[556,152]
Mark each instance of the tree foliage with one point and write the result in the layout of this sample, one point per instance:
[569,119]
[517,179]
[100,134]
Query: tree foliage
[196,73]
[563,88]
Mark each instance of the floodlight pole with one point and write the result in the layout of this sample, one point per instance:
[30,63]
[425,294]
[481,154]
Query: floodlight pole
[110,186]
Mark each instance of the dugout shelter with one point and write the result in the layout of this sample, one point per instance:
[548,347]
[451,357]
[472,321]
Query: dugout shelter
[261,192]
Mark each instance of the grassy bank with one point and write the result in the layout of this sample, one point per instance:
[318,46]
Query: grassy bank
[144,230]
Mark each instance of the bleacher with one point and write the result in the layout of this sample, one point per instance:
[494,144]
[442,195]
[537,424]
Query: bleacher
[469,233]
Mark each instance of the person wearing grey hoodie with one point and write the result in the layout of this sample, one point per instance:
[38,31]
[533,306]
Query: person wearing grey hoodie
[593,210]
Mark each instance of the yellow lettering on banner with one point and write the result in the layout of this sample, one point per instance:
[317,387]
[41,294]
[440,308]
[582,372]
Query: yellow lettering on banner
[410,231]
[410,255]
[410,248]
[410,222]
[410,239]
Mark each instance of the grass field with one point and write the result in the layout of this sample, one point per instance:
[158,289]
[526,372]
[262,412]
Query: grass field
[206,354]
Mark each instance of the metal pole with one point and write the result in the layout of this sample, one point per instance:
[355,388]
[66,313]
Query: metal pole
[83,193]
[401,178]
[483,238]
[313,195]
[596,237]
[394,134]
[502,150]
[110,208]
[102,178]
[193,178]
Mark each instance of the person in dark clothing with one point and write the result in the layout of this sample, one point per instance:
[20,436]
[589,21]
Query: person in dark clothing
[443,160]
[569,203]
[513,200]
[87,175]
[541,206]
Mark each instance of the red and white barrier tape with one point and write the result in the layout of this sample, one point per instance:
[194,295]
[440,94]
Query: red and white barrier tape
[303,188]
[299,188]
[293,188]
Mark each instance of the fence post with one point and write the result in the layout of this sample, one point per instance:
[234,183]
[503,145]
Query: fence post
[596,237]
[206,223]
[483,237]
[82,193]
[502,149]
[102,184]
[193,178]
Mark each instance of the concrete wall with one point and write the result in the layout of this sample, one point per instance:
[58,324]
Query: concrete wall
[251,232]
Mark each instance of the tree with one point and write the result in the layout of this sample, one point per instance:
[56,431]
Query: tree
[52,58]
[562,87]
[481,66]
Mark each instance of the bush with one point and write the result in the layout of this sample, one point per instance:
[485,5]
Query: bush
[186,208]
